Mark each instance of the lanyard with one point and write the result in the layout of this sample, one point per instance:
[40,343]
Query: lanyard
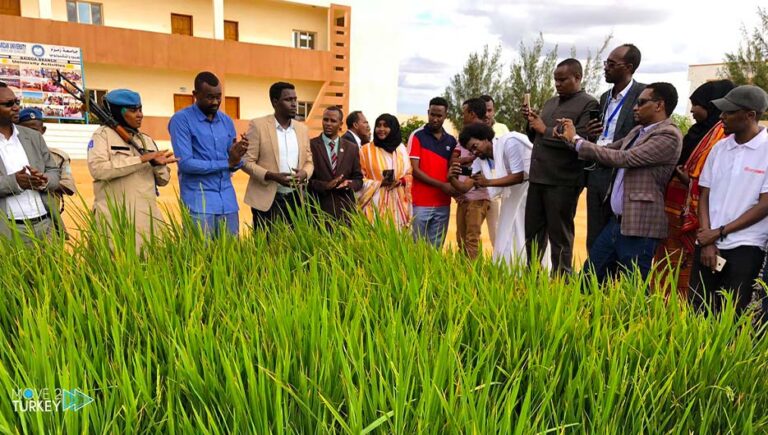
[613,115]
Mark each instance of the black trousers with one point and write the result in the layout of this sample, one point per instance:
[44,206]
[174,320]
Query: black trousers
[549,214]
[284,208]
[742,267]
[598,211]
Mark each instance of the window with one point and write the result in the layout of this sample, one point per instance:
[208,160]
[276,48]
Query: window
[303,109]
[181,24]
[231,31]
[97,94]
[182,101]
[84,12]
[302,39]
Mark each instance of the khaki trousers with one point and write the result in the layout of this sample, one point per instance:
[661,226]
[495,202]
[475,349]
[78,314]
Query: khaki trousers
[469,223]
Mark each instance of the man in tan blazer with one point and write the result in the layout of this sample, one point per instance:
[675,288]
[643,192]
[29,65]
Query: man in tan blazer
[642,164]
[278,160]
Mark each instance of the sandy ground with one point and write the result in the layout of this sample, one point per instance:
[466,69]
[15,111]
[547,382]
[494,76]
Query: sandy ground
[168,197]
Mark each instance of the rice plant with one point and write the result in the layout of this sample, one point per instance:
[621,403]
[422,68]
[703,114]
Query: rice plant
[355,330]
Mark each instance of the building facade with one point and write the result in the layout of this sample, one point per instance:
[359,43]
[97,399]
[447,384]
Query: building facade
[156,47]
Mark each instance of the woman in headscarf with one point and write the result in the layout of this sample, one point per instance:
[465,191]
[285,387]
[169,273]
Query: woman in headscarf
[682,196]
[126,173]
[386,170]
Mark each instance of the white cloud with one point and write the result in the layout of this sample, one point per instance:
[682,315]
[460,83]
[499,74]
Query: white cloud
[438,35]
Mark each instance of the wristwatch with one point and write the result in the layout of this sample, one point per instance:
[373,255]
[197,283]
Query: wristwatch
[576,139]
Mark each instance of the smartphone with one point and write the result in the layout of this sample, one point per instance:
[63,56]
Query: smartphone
[527,99]
[720,264]
[466,171]
[595,114]
[388,175]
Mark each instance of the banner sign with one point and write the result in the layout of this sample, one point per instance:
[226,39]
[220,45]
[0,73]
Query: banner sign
[28,69]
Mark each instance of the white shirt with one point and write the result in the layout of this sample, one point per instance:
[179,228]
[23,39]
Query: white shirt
[511,154]
[736,176]
[357,138]
[609,131]
[288,148]
[28,204]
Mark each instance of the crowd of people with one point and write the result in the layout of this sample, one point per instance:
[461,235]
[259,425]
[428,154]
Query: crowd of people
[691,208]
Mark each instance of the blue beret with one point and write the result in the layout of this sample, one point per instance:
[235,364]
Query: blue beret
[29,114]
[123,97]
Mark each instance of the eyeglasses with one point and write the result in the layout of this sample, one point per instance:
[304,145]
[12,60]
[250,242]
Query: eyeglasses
[642,101]
[11,103]
[611,64]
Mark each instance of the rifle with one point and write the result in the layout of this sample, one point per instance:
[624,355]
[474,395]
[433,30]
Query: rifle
[94,107]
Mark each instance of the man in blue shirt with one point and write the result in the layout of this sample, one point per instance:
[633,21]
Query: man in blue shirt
[204,141]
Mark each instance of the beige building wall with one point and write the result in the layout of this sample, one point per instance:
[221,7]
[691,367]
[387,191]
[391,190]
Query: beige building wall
[156,91]
[700,74]
[273,22]
[269,22]
[148,15]
[254,93]
[30,8]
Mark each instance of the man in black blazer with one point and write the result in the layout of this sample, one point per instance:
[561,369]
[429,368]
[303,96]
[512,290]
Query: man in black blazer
[337,173]
[556,175]
[358,129]
[617,120]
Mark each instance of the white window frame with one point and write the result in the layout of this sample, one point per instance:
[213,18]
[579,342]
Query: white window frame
[304,39]
[91,5]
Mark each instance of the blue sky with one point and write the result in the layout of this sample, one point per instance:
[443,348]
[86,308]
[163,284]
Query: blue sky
[438,35]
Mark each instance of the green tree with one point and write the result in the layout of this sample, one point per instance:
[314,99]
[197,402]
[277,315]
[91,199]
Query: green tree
[749,64]
[408,127]
[531,73]
[483,73]
[682,122]
[593,67]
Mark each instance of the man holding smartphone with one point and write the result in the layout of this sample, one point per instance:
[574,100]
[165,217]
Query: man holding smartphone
[733,204]
[615,121]
[556,173]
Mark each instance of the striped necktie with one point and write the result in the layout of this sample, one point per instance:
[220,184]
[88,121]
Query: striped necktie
[334,158]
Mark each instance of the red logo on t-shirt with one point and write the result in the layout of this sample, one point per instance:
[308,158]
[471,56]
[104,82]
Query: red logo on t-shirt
[754,170]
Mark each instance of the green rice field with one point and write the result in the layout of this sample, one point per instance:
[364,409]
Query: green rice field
[359,330]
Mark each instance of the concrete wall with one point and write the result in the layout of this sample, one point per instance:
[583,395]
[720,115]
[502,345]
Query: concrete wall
[260,21]
[30,8]
[273,22]
[374,57]
[254,93]
[700,74]
[157,92]
[151,16]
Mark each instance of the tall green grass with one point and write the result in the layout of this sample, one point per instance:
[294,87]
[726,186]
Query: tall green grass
[359,330]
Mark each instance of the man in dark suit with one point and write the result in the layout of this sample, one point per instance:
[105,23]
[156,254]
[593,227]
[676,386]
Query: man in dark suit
[358,129]
[642,163]
[337,172]
[556,175]
[617,120]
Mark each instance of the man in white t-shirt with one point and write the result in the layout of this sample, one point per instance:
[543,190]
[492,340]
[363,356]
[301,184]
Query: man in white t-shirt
[733,208]
[499,166]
